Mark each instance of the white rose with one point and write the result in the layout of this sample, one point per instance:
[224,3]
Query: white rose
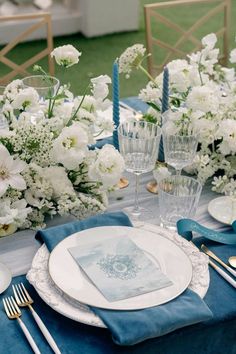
[108,166]
[66,55]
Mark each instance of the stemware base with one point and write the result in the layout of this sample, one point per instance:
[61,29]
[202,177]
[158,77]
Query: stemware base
[142,214]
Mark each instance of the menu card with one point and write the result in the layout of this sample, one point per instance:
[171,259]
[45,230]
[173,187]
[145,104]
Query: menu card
[119,268]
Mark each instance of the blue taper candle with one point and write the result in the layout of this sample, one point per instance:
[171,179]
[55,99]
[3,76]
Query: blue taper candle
[164,108]
[116,101]
[165,90]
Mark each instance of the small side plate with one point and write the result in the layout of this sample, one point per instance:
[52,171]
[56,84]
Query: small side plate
[5,277]
[223,209]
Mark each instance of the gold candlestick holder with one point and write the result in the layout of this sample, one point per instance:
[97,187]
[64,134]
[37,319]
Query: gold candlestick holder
[123,183]
[152,186]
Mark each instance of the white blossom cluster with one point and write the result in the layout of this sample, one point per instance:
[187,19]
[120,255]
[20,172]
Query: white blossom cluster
[202,95]
[46,165]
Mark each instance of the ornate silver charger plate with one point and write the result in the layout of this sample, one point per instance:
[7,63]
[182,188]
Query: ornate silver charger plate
[39,277]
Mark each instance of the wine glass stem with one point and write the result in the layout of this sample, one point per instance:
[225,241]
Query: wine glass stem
[136,201]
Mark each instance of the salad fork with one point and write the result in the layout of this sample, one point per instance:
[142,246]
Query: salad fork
[24,299]
[13,312]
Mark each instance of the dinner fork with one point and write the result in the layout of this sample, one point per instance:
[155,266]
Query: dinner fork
[24,299]
[13,312]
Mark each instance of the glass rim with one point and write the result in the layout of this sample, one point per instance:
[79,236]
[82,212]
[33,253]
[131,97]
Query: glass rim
[193,135]
[174,177]
[57,82]
[159,130]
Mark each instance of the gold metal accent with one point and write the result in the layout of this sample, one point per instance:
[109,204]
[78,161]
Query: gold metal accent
[213,256]
[123,183]
[232,261]
[11,308]
[152,187]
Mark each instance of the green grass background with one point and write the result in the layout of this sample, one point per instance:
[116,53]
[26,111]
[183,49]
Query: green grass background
[99,53]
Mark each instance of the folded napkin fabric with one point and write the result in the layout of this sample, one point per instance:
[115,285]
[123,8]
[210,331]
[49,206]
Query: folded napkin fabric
[131,327]
[53,235]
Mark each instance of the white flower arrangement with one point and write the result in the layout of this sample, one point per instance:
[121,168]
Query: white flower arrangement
[202,99]
[46,164]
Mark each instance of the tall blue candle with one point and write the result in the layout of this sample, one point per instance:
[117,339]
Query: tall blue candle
[116,101]
[165,90]
[165,106]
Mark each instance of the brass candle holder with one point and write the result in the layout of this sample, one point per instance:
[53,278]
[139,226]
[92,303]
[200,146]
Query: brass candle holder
[123,183]
[152,186]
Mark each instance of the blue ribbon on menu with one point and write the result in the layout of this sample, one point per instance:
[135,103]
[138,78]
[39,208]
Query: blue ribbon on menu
[186,227]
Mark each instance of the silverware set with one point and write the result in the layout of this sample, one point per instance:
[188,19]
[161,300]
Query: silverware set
[225,275]
[23,299]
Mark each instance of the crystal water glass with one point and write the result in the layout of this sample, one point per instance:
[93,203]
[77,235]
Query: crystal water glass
[178,199]
[179,150]
[46,86]
[138,143]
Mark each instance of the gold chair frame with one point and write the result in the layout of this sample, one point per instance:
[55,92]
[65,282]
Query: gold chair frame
[151,11]
[42,19]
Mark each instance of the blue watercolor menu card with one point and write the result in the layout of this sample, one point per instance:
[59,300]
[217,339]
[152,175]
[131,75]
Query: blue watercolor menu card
[119,268]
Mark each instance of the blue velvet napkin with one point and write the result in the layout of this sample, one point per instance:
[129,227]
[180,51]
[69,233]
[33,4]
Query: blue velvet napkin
[131,327]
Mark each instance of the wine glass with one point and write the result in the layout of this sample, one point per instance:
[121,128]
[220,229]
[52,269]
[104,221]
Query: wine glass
[46,86]
[179,150]
[139,143]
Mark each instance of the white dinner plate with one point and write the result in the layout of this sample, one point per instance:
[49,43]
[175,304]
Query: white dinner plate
[39,277]
[223,209]
[69,277]
[5,277]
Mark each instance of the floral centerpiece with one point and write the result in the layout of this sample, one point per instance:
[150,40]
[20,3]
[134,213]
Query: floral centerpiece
[202,99]
[46,164]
